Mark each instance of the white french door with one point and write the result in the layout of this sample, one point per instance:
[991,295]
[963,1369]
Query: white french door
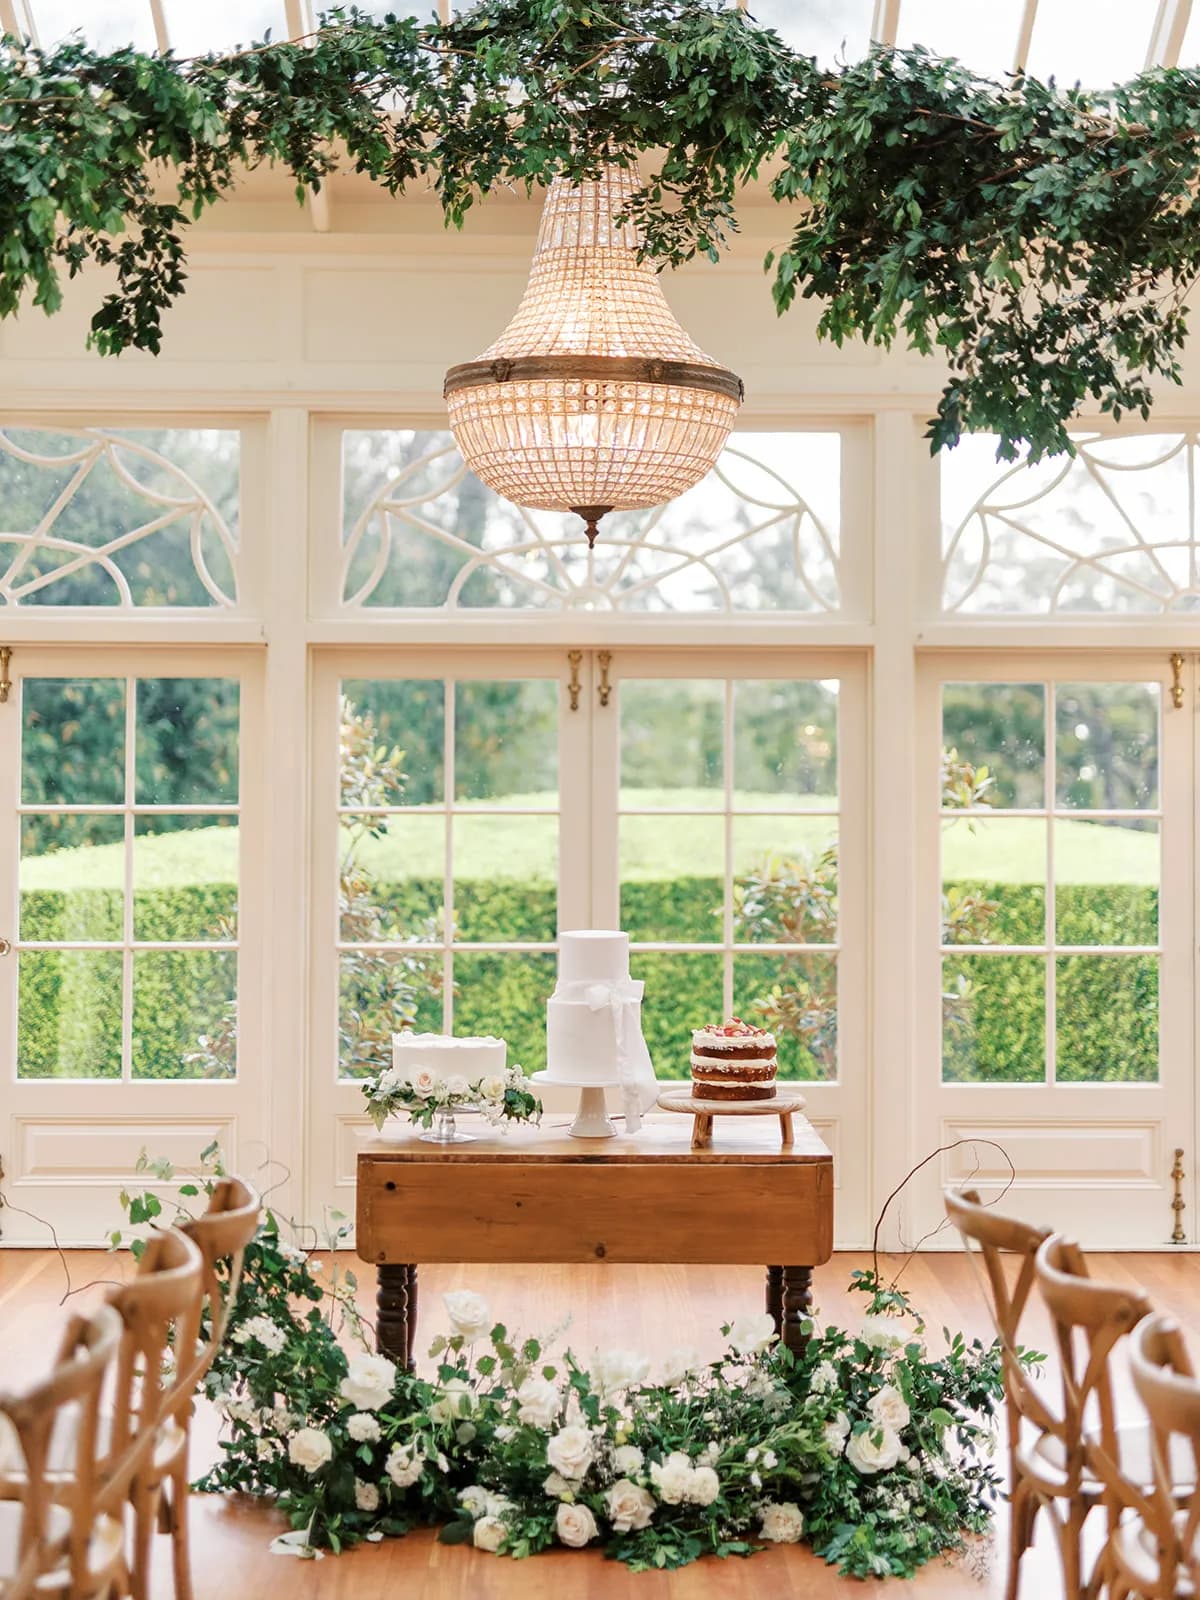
[1057,938]
[714,811]
[131,915]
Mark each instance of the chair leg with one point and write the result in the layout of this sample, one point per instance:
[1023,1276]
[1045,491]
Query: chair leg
[1022,1514]
[144,1500]
[181,1558]
[1071,1544]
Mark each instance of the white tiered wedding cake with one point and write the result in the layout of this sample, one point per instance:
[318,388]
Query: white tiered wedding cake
[444,1057]
[594,1022]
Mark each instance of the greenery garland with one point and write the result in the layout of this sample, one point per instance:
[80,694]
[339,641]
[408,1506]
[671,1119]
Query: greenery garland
[864,1445]
[1041,240]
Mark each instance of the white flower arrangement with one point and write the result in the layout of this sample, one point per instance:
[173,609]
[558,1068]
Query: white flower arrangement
[500,1098]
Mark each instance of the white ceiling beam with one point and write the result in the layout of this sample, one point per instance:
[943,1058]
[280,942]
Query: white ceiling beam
[301,23]
[162,34]
[17,21]
[1025,36]
[884,21]
[1166,37]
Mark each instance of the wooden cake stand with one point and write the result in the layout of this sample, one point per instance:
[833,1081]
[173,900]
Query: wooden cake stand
[787,1101]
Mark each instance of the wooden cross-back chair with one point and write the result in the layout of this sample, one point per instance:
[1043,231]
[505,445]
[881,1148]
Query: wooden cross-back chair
[1154,1541]
[54,1542]
[221,1236]
[1084,1457]
[999,1238]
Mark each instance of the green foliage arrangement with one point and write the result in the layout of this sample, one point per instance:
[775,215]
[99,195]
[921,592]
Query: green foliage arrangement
[505,1097]
[1040,239]
[873,1451]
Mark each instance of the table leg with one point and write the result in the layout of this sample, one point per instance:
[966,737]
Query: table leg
[775,1298]
[412,1317]
[702,1131]
[797,1306]
[393,1328]
[785,1127]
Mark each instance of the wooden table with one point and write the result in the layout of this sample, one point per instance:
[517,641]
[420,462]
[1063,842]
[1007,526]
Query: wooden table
[538,1195]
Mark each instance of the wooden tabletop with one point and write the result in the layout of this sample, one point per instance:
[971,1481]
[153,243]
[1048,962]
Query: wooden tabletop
[662,1138]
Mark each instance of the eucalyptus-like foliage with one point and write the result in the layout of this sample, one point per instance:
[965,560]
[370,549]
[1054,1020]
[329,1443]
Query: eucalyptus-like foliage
[1040,240]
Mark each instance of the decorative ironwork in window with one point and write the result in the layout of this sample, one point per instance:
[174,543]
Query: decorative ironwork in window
[1113,529]
[139,519]
[421,532]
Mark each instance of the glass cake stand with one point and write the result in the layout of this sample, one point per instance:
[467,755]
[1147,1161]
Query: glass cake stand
[592,1120]
[445,1129]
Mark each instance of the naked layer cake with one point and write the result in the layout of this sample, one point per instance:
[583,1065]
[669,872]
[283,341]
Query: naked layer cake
[735,1061]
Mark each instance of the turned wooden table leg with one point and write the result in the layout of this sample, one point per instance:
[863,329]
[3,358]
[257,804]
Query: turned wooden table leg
[702,1131]
[797,1307]
[393,1327]
[775,1297]
[412,1317]
[787,1138]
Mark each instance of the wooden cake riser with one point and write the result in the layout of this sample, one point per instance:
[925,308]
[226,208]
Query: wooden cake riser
[784,1105]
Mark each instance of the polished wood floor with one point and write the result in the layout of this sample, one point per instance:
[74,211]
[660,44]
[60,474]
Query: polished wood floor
[651,1308]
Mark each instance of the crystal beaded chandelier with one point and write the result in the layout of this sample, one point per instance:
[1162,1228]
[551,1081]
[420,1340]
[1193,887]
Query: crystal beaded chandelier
[593,399]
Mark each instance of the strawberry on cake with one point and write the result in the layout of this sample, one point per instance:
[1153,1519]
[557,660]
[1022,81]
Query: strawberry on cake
[734,1061]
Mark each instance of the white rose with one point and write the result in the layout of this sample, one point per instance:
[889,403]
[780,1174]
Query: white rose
[264,1332]
[390,1081]
[454,1401]
[310,1449]
[575,1525]
[363,1427]
[824,1378]
[265,1449]
[614,1370]
[369,1382]
[835,1432]
[628,1460]
[703,1487]
[366,1495]
[680,1365]
[750,1334]
[403,1465]
[538,1402]
[873,1451]
[497,1506]
[468,1313]
[672,1478]
[490,1533]
[569,1451]
[556,1485]
[882,1333]
[423,1083]
[474,1499]
[769,1460]
[456,1087]
[781,1523]
[492,1088]
[888,1408]
[629,1507]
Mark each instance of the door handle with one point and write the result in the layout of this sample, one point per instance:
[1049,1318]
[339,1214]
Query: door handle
[5,947]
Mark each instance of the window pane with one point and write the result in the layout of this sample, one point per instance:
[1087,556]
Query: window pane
[834,31]
[784,744]
[185,878]
[994,742]
[796,997]
[683,992]
[673,743]
[994,880]
[993,1019]
[69,1014]
[391,877]
[393,742]
[785,880]
[72,877]
[1106,48]
[381,992]
[1107,878]
[673,878]
[506,742]
[1108,1019]
[219,25]
[184,1014]
[505,995]
[187,741]
[73,741]
[506,879]
[983,38]
[1107,745]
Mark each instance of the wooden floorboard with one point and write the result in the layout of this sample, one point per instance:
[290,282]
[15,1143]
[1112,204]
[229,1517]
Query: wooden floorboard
[649,1308]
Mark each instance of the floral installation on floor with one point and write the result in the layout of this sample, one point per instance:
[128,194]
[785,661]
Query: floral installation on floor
[500,1097]
[867,1447]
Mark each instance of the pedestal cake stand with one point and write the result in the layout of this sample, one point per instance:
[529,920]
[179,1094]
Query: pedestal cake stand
[785,1102]
[592,1120]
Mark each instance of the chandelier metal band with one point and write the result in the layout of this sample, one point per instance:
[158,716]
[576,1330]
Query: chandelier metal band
[595,369]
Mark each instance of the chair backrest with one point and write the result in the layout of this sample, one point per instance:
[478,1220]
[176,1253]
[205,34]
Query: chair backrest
[160,1309]
[87,1352]
[997,1236]
[1166,1384]
[1090,1319]
[221,1235]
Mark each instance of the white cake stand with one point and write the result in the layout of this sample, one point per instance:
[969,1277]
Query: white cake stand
[592,1120]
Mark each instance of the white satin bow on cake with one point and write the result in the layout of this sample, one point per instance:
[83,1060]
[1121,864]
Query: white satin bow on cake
[635,1070]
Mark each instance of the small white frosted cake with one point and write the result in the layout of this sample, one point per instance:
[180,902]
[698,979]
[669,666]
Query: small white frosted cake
[446,1057]
[595,997]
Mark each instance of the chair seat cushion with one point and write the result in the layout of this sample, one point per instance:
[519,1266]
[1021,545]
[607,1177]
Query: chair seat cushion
[1047,1458]
[63,1446]
[1136,1551]
[105,1551]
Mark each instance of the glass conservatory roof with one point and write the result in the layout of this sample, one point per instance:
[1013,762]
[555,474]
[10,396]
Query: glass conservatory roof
[1091,41]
